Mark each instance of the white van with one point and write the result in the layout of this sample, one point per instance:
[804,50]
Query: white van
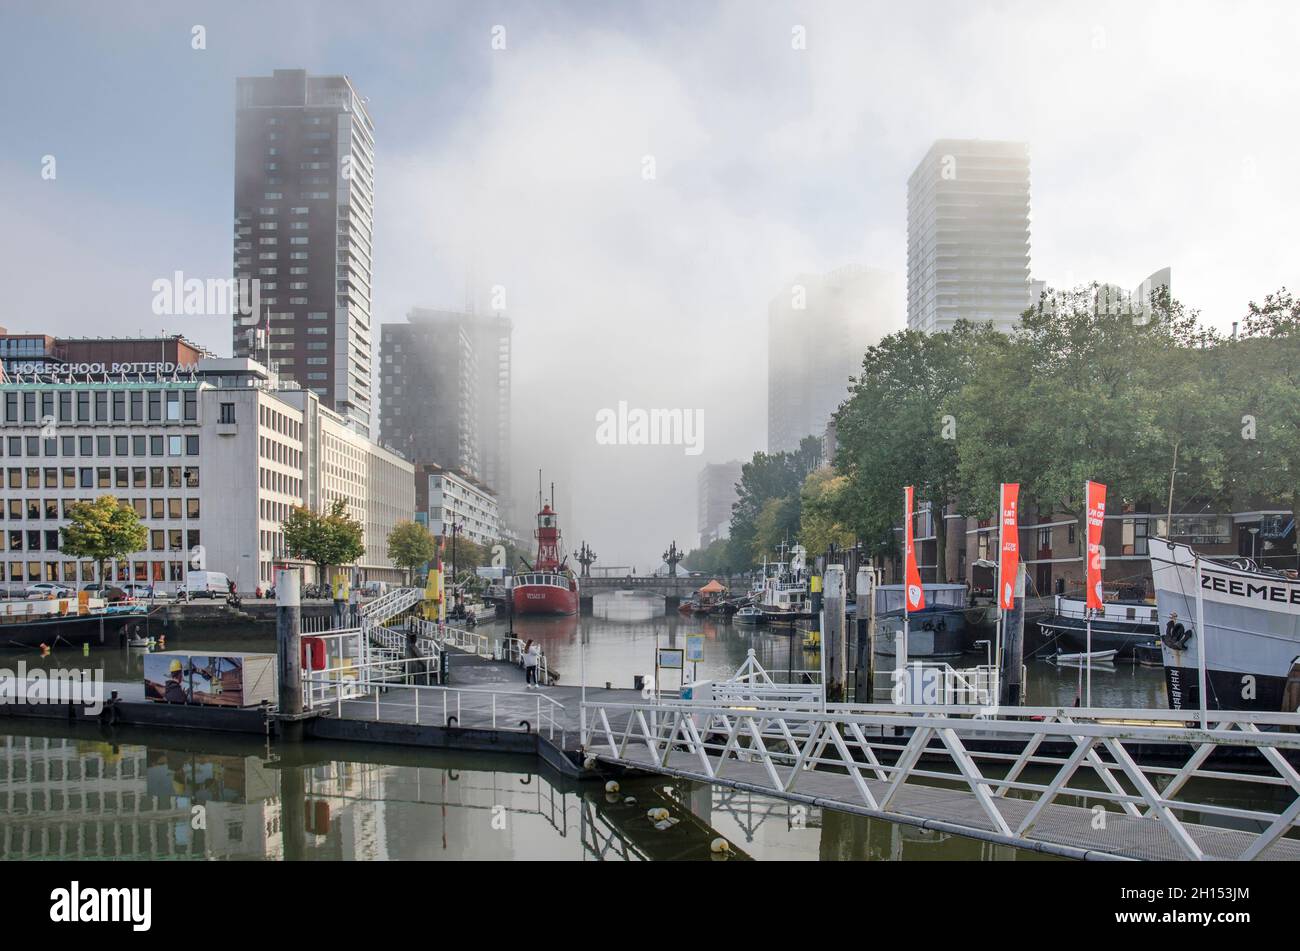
[207,584]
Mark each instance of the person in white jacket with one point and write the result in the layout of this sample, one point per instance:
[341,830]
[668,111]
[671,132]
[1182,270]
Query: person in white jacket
[532,659]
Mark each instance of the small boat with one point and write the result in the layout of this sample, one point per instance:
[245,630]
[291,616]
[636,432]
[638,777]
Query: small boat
[78,619]
[749,615]
[1097,657]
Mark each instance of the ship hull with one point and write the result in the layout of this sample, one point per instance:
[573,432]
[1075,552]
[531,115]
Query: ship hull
[1126,639]
[1251,635]
[544,600]
[75,629]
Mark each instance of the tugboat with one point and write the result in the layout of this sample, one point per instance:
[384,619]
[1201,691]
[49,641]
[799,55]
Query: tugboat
[547,587]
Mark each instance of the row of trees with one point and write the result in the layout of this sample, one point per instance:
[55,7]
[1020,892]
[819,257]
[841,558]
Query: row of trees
[105,529]
[1075,393]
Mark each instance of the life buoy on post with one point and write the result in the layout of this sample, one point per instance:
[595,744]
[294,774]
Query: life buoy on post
[313,653]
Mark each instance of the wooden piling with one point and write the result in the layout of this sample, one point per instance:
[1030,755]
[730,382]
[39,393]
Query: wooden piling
[288,627]
[865,624]
[833,634]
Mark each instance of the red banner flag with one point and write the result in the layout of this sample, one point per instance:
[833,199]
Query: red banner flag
[1009,538]
[1096,495]
[915,594]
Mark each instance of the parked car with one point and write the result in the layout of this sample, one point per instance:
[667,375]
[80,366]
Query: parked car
[207,584]
[109,592]
[47,589]
[143,590]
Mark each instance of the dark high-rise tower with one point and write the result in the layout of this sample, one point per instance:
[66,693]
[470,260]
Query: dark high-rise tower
[304,201]
[445,384]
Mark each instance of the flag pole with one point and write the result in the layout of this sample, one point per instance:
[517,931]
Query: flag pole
[1200,633]
[1088,653]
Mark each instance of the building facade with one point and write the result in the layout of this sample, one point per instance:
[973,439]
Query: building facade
[715,494]
[445,383]
[304,208]
[444,498]
[818,330]
[968,235]
[212,465]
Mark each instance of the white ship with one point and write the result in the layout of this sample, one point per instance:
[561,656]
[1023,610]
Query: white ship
[1251,635]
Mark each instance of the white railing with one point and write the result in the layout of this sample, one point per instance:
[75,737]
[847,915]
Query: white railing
[394,602]
[752,682]
[872,755]
[936,683]
[395,696]
[444,636]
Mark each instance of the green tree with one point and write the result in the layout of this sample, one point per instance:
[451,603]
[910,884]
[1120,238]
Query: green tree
[102,529]
[898,427]
[821,508]
[765,478]
[332,538]
[1081,393]
[410,546]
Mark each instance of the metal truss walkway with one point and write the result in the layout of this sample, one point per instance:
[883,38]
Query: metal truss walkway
[1091,784]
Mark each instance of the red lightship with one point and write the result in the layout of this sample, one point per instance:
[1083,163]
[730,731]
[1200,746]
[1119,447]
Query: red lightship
[547,587]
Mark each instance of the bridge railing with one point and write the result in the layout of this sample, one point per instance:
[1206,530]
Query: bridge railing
[877,753]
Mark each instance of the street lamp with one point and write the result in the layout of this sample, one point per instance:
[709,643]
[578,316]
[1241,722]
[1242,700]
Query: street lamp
[1253,532]
[455,529]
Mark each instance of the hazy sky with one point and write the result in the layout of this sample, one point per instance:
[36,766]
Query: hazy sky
[1159,134]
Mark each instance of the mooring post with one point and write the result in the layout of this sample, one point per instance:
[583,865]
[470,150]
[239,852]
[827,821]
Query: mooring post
[288,627]
[1013,653]
[865,622]
[833,641]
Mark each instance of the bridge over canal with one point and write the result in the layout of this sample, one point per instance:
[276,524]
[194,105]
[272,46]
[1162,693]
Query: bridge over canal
[674,590]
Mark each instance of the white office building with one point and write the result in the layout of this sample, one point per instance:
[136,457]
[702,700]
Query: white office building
[212,463]
[968,235]
[445,498]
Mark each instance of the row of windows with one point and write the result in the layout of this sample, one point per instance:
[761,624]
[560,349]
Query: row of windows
[84,572]
[54,509]
[101,405]
[160,539]
[104,477]
[17,447]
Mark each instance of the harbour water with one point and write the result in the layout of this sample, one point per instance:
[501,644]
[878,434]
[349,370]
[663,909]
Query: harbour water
[155,794]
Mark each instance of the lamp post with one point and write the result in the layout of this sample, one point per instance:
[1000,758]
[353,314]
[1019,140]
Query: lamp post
[455,530]
[1253,533]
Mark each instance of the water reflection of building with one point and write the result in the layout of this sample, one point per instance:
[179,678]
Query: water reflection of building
[71,798]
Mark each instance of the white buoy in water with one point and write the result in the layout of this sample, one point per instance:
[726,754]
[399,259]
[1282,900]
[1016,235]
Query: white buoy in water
[589,763]
[611,786]
[658,814]
[719,845]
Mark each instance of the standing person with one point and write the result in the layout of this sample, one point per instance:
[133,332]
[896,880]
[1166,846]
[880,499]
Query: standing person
[534,663]
[530,665]
[340,600]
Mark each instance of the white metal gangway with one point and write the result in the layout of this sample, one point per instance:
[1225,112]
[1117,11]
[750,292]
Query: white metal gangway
[1086,783]
[391,604]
